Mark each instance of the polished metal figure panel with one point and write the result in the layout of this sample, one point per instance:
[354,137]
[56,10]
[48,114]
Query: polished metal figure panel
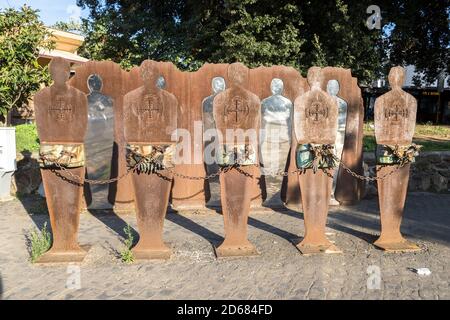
[161,82]
[333,89]
[99,143]
[209,127]
[276,125]
[210,139]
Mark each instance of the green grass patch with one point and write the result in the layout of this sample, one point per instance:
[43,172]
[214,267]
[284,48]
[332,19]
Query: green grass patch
[431,137]
[40,242]
[369,144]
[435,131]
[26,138]
[126,254]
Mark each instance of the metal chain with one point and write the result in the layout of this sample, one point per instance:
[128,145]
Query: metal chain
[236,166]
[78,179]
[371,179]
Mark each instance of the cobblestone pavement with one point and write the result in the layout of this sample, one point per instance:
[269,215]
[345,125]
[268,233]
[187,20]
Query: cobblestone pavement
[279,272]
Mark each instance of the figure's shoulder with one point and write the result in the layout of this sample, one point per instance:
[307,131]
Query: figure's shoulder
[78,93]
[134,93]
[254,98]
[221,97]
[302,98]
[250,95]
[409,97]
[169,96]
[43,93]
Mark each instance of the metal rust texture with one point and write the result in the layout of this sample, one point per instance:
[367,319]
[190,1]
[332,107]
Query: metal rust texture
[315,121]
[395,120]
[348,190]
[190,89]
[150,117]
[116,83]
[61,117]
[236,108]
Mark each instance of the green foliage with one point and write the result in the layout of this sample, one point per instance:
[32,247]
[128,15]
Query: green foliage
[320,59]
[126,254]
[26,138]
[71,26]
[266,32]
[369,143]
[129,32]
[40,242]
[22,34]
[418,34]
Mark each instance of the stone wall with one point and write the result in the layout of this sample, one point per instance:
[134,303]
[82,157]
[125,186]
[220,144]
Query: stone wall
[430,172]
[27,178]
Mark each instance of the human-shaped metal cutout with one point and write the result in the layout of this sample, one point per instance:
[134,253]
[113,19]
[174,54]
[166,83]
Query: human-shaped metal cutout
[150,119]
[315,125]
[61,119]
[333,90]
[395,120]
[235,111]
[99,143]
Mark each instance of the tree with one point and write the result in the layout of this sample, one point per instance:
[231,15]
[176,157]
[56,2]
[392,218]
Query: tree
[22,34]
[131,31]
[267,32]
[70,26]
[419,35]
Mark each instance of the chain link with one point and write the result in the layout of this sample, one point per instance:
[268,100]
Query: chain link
[236,166]
[371,179]
[78,179]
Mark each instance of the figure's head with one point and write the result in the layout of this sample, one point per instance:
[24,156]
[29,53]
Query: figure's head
[396,77]
[276,86]
[94,83]
[218,84]
[314,77]
[238,74]
[161,82]
[333,87]
[59,70]
[149,73]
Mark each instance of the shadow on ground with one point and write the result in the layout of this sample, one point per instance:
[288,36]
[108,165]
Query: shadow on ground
[426,217]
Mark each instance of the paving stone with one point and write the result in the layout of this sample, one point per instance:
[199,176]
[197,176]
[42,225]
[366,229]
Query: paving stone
[280,271]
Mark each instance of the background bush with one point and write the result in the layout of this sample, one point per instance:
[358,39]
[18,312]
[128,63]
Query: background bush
[26,138]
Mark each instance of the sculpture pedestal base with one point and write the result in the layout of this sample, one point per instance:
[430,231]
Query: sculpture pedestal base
[163,253]
[66,256]
[225,250]
[123,207]
[334,202]
[348,203]
[311,248]
[402,245]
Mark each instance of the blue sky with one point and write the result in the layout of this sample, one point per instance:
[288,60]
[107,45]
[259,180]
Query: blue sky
[50,11]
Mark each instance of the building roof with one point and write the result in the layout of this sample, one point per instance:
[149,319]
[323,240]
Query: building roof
[72,57]
[66,46]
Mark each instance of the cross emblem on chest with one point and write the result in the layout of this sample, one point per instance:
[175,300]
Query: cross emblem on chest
[61,109]
[317,111]
[150,106]
[238,109]
[396,112]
